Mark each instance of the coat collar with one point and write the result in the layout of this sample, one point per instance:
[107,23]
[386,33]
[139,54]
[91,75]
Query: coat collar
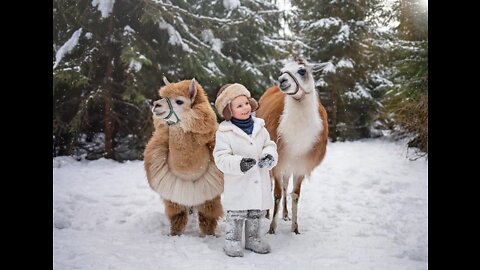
[258,124]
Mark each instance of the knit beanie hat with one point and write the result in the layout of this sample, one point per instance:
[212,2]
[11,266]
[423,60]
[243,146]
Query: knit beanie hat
[227,93]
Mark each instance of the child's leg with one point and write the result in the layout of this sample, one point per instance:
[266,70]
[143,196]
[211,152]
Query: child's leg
[253,239]
[233,233]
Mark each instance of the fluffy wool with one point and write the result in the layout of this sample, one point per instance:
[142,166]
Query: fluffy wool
[298,124]
[178,158]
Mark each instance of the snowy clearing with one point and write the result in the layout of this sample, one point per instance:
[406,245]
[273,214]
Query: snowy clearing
[365,207]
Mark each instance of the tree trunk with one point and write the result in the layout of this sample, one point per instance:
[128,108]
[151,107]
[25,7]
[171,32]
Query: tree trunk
[108,128]
[108,119]
[333,129]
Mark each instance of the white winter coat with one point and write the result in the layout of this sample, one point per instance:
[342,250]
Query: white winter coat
[253,188]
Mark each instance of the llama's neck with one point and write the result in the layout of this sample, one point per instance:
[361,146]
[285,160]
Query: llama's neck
[300,124]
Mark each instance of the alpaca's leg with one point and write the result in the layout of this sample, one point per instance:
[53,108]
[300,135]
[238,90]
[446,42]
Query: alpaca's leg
[208,215]
[297,184]
[285,180]
[277,192]
[178,216]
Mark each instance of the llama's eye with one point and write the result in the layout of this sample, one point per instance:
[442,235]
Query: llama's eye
[179,102]
[302,72]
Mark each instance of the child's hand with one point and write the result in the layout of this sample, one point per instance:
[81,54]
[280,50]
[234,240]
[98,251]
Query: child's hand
[266,161]
[247,163]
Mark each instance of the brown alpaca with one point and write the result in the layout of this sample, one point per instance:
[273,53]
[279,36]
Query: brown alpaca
[178,158]
[297,122]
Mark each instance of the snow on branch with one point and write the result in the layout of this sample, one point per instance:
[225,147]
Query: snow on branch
[67,47]
[221,22]
[175,37]
[343,34]
[104,6]
[345,63]
[186,12]
[325,23]
[231,4]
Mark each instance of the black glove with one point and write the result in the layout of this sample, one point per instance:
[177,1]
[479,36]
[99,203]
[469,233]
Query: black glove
[246,164]
[266,161]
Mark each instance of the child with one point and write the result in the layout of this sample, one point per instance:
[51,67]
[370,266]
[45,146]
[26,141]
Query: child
[244,153]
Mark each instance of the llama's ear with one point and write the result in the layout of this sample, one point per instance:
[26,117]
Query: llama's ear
[320,66]
[192,90]
[165,80]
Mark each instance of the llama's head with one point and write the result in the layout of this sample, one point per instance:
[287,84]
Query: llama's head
[179,101]
[297,79]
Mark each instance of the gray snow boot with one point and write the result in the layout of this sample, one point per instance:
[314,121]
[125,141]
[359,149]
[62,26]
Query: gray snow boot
[233,233]
[253,240]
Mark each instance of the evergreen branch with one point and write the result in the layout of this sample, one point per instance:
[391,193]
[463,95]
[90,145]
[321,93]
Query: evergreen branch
[128,104]
[222,22]
[303,44]
[188,13]
[206,46]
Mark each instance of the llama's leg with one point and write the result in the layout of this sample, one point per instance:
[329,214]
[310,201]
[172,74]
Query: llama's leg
[277,193]
[285,180]
[208,215]
[272,180]
[297,184]
[178,216]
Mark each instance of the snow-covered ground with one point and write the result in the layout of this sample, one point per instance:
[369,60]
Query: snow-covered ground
[365,207]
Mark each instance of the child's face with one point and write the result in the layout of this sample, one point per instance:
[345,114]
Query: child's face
[241,108]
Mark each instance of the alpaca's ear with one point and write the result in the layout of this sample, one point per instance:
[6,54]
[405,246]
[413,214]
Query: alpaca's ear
[192,90]
[165,80]
[320,66]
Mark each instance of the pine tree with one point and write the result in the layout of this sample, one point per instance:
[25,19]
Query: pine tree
[231,41]
[407,100]
[337,32]
[110,56]
[401,55]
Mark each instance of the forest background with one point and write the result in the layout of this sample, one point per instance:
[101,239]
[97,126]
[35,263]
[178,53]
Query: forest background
[109,58]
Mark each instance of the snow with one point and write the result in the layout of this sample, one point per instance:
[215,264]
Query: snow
[135,65]
[213,67]
[104,6]
[343,34]
[365,207]
[231,4]
[359,92]
[321,83]
[330,68]
[175,37]
[325,23]
[345,63]
[127,30]
[209,37]
[67,47]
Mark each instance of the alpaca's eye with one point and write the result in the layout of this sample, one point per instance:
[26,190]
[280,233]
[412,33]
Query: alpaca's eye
[302,72]
[179,102]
